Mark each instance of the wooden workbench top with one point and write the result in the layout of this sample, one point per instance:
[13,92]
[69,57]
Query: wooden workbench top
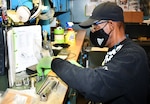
[77,46]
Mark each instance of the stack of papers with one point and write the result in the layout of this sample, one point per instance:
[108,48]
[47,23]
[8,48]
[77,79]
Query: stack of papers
[24,46]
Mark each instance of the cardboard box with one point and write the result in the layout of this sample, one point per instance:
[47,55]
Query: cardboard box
[133,17]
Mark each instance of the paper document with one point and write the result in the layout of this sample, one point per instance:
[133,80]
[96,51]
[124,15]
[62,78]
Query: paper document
[24,46]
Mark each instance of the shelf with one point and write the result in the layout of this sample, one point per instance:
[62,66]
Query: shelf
[143,43]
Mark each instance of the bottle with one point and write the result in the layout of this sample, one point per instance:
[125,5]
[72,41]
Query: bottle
[59,35]
[70,34]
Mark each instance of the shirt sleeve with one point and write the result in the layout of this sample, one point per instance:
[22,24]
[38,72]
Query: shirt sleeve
[102,83]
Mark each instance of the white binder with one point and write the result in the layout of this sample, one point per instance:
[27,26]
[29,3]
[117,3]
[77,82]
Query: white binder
[24,46]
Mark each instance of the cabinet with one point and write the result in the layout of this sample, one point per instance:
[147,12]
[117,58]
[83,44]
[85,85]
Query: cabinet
[61,5]
[133,17]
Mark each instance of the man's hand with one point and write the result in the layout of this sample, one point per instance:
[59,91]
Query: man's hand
[44,66]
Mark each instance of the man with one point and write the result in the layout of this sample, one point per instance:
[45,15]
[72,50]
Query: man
[124,76]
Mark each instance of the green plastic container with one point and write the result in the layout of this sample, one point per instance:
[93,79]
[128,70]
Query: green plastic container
[59,35]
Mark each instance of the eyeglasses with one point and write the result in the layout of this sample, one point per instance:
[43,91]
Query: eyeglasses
[95,24]
[99,22]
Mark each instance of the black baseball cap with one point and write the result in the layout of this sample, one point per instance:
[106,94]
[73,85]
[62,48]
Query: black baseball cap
[104,11]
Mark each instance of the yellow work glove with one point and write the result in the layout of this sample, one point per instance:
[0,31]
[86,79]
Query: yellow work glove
[44,66]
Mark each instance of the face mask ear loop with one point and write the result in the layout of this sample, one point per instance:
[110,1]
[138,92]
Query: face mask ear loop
[110,31]
[105,25]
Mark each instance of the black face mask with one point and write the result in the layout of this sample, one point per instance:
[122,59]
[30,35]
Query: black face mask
[99,38]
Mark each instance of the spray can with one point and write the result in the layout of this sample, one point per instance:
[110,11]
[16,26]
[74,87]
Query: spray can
[70,35]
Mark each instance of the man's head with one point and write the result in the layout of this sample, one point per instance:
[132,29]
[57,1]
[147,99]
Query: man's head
[104,11]
[106,24]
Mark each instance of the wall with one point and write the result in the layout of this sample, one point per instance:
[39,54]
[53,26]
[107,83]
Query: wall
[77,8]
[75,13]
